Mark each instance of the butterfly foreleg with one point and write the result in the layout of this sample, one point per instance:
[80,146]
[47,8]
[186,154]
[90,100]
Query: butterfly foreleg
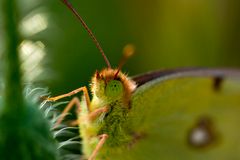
[74,101]
[103,138]
[85,92]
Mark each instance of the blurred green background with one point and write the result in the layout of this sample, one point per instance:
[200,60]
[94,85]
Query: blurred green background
[167,34]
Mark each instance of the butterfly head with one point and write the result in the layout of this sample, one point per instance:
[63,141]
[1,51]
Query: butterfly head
[112,84]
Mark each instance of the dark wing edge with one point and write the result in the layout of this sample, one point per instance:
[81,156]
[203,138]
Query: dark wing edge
[187,72]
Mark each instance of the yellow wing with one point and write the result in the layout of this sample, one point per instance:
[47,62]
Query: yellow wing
[185,114]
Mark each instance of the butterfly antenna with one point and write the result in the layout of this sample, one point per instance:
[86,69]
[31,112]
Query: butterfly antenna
[69,5]
[128,51]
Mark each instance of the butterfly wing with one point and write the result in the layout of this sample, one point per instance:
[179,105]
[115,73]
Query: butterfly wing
[185,114]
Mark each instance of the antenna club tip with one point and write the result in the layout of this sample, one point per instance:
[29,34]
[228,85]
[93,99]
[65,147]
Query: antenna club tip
[128,50]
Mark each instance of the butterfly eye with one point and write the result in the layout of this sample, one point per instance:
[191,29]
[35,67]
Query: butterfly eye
[114,88]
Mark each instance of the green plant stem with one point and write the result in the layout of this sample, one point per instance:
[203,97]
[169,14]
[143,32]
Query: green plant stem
[13,99]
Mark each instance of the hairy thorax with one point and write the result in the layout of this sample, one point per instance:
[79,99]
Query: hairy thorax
[113,123]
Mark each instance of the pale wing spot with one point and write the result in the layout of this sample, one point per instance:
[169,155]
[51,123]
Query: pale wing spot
[203,133]
[199,137]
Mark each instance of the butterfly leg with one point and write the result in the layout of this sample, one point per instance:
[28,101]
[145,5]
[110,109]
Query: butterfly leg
[74,101]
[94,114]
[85,92]
[91,116]
[102,140]
[71,103]
[74,123]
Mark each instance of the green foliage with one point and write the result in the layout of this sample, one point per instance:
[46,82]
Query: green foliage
[24,133]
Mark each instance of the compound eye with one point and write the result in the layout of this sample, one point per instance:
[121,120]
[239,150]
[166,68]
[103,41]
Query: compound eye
[114,88]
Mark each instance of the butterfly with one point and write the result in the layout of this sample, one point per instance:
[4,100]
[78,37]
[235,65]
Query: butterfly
[188,113]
